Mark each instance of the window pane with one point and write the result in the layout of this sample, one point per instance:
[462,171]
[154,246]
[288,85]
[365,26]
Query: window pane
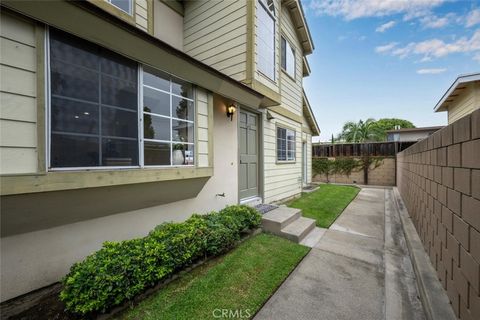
[182,109]
[156,153]
[183,154]
[124,5]
[116,152]
[120,67]
[157,128]
[182,131]
[182,88]
[266,42]
[119,123]
[73,116]
[284,57]
[156,102]
[290,60]
[72,50]
[119,93]
[74,151]
[156,79]
[74,82]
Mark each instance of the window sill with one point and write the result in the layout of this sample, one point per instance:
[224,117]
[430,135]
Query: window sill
[70,180]
[286,161]
[288,75]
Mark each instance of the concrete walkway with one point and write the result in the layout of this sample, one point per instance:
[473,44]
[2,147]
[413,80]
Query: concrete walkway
[360,269]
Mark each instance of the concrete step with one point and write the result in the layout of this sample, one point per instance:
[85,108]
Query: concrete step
[313,237]
[298,229]
[274,221]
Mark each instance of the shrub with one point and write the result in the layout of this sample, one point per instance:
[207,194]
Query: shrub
[121,270]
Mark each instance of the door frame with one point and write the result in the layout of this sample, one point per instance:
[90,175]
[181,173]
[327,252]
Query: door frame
[304,163]
[260,167]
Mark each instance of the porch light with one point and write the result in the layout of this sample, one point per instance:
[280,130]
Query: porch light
[230,111]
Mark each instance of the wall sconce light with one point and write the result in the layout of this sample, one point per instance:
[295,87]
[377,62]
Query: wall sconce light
[269,116]
[230,111]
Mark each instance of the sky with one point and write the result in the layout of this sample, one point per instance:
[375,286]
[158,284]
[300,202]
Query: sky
[387,58]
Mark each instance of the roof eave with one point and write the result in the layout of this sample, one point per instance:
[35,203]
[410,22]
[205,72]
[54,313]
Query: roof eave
[310,116]
[465,78]
[298,15]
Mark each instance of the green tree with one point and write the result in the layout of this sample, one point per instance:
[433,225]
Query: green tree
[390,124]
[361,131]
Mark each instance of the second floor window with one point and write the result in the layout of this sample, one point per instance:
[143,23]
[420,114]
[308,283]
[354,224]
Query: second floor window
[288,58]
[266,38]
[124,5]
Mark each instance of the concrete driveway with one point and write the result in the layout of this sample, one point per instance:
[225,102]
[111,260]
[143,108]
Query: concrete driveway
[360,269]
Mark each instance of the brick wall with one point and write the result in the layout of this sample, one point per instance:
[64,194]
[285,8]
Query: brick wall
[382,175]
[439,180]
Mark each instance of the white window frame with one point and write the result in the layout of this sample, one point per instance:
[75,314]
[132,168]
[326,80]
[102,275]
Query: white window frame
[129,12]
[287,160]
[271,13]
[141,139]
[288,46]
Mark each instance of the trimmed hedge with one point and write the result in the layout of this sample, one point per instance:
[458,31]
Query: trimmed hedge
[121,270]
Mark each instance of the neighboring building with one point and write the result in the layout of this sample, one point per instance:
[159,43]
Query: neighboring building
[411,134]
[462,98]
[114,119]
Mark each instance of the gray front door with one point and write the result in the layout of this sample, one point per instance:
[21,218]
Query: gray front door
[248,170]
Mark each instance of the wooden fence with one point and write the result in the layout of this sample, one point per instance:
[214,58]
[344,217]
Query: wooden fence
[374,149]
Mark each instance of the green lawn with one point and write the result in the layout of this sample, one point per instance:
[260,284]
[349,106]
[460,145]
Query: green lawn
[325,204]
[240,281]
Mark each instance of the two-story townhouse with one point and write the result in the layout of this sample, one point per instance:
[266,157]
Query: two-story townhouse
[114,117]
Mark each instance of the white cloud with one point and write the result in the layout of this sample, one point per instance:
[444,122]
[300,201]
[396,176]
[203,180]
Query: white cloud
[431,71]
[476,57]
[384,27]
[362,38]
[354,9]
[434,22]
[473,18]
[386,48]
[434,48]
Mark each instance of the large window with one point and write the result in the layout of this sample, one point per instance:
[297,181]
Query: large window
[124,5]
[266,38]
[94,110]
[288,58]
[285,144]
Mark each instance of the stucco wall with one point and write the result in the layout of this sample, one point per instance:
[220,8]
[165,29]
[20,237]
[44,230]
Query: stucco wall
[381,175]
[32,260]
[439,181]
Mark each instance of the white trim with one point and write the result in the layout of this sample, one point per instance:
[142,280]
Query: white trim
[47,99]
[460,79]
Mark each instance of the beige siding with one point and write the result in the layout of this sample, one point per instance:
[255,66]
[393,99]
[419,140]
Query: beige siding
[141,14]
[282,180]
[291,89]
[215,33]
[18,128]
[467,102]
[202,128]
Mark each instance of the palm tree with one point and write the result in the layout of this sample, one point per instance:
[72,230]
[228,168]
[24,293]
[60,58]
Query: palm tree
[361,131]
